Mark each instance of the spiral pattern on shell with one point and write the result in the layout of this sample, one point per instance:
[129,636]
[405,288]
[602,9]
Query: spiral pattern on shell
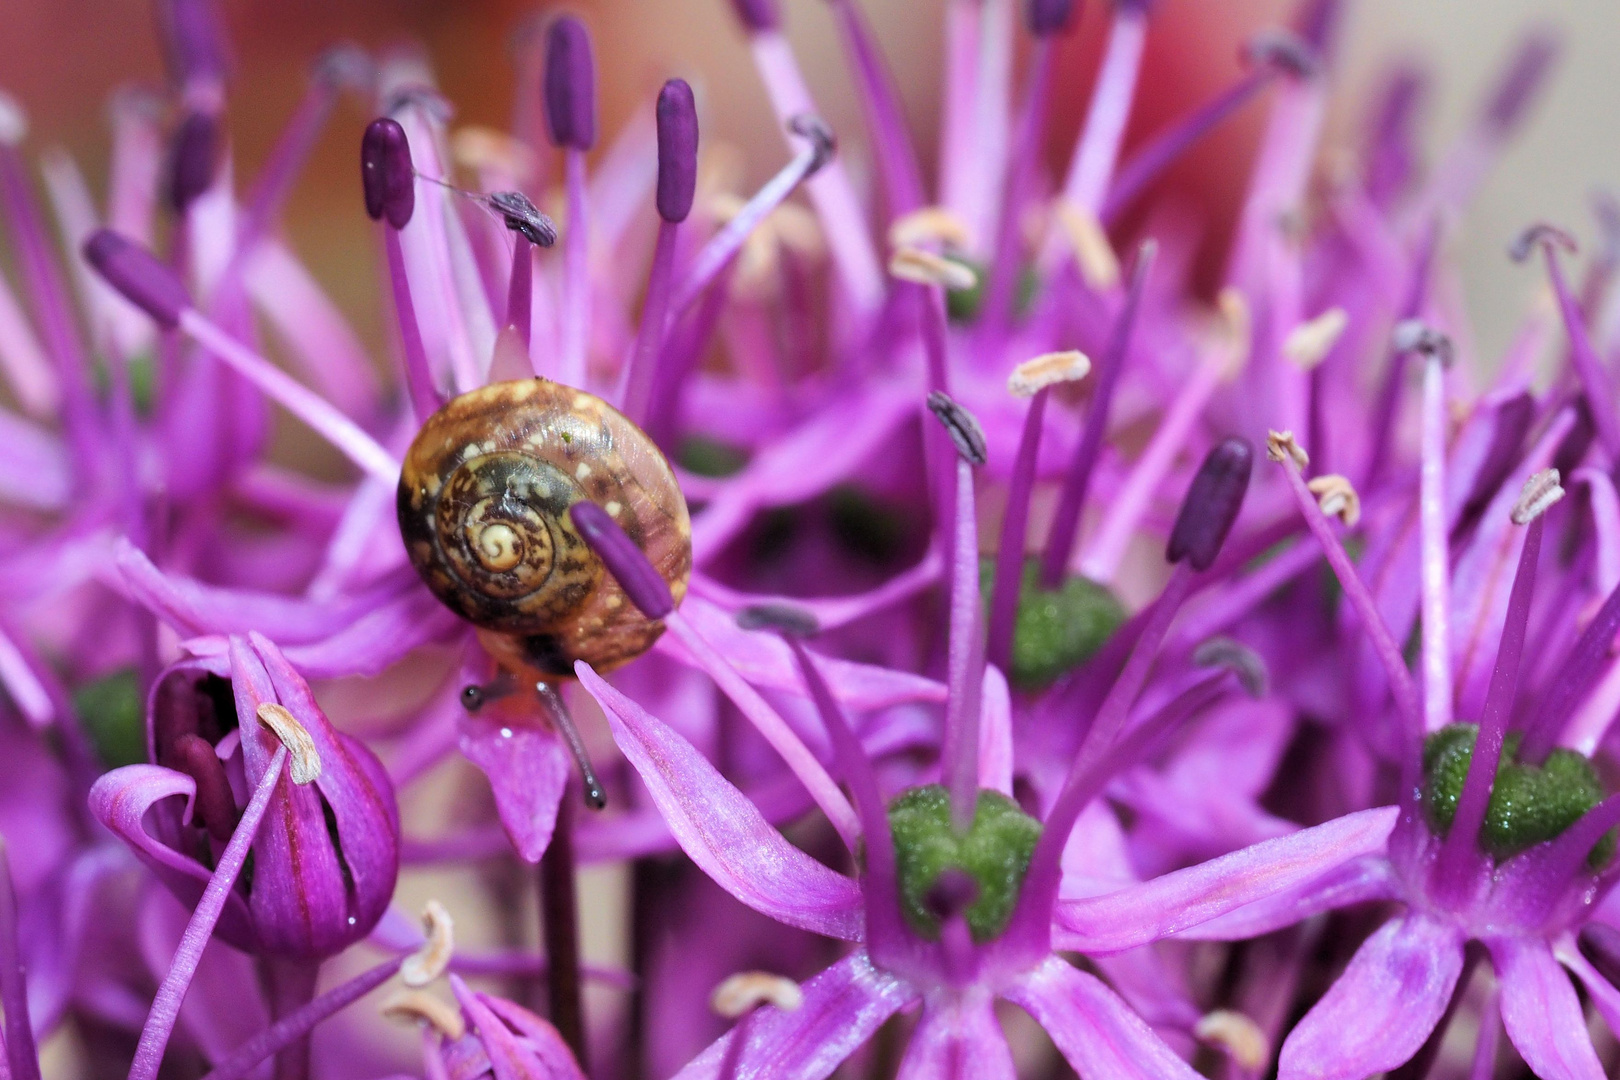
[483,508]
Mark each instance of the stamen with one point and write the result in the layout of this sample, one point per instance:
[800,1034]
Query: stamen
[166,1002]
[1284,49]
[1239,659]
[306,760]
[430,961]
[1281,446]
[1541,492]
[758,15]
[1338,498]
[1066,522]
[1435,538]
[386,173]
[1048,369]
[1092,251]
[523,217]
[1238,1035]
[215,808]
[628,564]
[746,991]
[931,225]
[922,267]
[966,434]
[1047,17]
[1212,504]
[1524,76]
[563,720]
[193,159]
[570,86]
[787,619]
[420,1007]
[1310,342]
[1571,681]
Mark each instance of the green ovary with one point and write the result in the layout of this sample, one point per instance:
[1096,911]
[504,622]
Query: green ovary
[995,853]
[1056,630]
[1529,804]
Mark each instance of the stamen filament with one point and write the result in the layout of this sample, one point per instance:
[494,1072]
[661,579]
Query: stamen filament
[960,752]
[1570,682]
[425,397]
[576,298]
[1006,262]
[891,139]
[1436,579]
[1014,531]
[520,290]
[166,1002]
[644,361]
[22,1055]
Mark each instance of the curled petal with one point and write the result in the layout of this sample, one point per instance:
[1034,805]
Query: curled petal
[722,831]
[1541,1012]
[1185,898]
[1382,1008]
[1096,1031]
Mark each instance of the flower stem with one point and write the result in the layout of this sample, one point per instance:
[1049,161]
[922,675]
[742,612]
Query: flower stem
[292,989]
[559,908]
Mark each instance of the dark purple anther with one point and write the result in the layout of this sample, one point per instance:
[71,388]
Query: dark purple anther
[677,151]
[758,15]
[962,427]
[1525,75]
[386,173]
[193,158]
[821,137]
[138,275]
[1212,504]
[1048,17]
[570,85]
[645,587]
[194,40]
[790,620]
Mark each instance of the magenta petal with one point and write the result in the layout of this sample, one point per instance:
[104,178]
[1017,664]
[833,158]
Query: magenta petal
[528,771]
[1183,899]
[1096,1031]
[1541,1012]
[722,831]
[1368,878]
[842,1007]
[958,1038]
[121,799]
[1382,1008]
[1604,994]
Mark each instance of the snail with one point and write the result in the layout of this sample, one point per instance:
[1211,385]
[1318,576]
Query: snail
[483,508]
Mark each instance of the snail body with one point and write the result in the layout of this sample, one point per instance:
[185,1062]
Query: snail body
[483,508]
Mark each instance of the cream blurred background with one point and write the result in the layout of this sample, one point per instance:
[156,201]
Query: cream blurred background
[61,57]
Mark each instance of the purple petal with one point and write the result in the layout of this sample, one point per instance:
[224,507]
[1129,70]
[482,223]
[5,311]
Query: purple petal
[722,831]
[1382,1008]
[958,1038]
[1355,882]
[527,769]
[842,1007]
[1541,1012]
[1604,994]
[1095,1030]
[1185,898]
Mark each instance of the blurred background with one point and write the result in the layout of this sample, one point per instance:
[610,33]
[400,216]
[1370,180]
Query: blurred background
[62,57]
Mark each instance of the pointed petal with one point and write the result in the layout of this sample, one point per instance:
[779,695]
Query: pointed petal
[1382,1008]
[842,1007]
[1541,1012]
[1186,898]
[1604,994]
[958,1040]
[722,831]
[1096,1031]
[1355,882]
[527,770]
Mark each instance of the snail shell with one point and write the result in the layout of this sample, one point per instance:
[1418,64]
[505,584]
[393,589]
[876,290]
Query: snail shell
[483,508]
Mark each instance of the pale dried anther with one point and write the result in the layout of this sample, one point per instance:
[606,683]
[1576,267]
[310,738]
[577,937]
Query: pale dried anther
[745,991]
[930,225]
[1337,497]
[303,761]
[1237,658]
[1281,446]
[1236,329]
[1309,343]
[420,1007]
[1236,1034]
[431,960]
[482,148]
[1048,369]
[926,268]
[1540,492]
[1092,251]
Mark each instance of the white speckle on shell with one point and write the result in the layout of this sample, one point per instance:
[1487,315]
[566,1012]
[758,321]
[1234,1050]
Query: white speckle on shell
[613,508]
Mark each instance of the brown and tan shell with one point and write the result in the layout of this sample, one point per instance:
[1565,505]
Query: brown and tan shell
[483,507]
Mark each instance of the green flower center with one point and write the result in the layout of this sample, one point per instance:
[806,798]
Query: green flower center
[994,853]
[114,715]
[1529,804]
[1056,630]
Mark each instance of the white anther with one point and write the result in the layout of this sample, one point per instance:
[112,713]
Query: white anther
[1415,335]
[1236,329]
[747,990]
[1238,1035]
[1092,251]
[420,1007]
[1048,369]
[303,761]
[13,120]
[1540,492]
[1337,497]
[1309,343]
[925,268]
[429,962]
[1282,446]
[930,225]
